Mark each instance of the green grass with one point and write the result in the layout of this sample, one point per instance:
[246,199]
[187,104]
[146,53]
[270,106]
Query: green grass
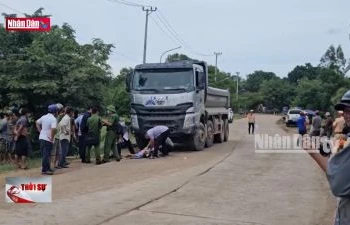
[31,162]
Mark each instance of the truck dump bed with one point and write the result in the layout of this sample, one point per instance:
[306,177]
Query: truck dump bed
[217,98]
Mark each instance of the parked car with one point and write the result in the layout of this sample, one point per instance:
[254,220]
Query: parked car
[230,115]
[292,117]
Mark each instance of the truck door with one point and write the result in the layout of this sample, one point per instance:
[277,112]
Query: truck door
[200,84]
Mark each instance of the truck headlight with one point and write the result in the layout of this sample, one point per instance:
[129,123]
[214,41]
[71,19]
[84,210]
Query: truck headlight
[134,121]
[190,120]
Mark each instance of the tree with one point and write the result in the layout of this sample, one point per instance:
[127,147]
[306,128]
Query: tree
[177,57]
[118,95]
[276,93]
[255,80]
[38,69]
[311,94]
[299,72]
[334,59]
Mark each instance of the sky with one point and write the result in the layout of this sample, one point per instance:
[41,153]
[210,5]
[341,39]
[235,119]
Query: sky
[269,35]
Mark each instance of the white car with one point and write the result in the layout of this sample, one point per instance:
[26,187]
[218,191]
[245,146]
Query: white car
[292,116]
[230,115]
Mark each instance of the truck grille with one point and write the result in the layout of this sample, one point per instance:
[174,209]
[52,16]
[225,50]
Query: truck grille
[170,116]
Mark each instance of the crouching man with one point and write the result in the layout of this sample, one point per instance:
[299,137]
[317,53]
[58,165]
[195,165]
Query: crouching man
[157,137]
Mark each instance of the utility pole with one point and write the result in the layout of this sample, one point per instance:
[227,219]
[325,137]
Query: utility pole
[216,63]
[237,73]
[148,11]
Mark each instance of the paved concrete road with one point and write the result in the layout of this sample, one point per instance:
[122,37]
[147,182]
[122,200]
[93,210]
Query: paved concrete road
[226,184]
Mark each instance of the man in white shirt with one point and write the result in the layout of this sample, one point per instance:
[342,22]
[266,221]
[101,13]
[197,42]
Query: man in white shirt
[46,125]
[65,132]
[157,137]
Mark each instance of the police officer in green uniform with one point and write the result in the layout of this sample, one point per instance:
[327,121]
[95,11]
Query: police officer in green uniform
[94,125]
[111,135]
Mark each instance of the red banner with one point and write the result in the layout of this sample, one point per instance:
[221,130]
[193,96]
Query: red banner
[28,24]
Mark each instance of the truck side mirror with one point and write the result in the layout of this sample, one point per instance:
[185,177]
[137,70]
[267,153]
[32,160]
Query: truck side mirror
[199,80]
[127,82]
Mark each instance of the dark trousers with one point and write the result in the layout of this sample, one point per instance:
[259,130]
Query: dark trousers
[315,133]
[64,151]
[82,147]
[251,127]
[160,141]
[128,144]
[300,139]
[46,149]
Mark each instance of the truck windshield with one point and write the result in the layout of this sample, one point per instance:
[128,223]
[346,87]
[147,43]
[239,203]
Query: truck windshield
[163,80]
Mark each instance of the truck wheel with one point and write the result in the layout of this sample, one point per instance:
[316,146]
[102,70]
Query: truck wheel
[210,134]
[199,138]
[219,138]
[141,142]
[227,130]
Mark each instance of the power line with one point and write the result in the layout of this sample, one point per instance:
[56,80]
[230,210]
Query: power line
[124,56]
[172,31]
[13,9]
[160,28]
[128,3]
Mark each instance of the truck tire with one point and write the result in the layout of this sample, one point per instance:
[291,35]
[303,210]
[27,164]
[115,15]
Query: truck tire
[227,130]
[219,138]
[140,141]
[209,141]
[198,141]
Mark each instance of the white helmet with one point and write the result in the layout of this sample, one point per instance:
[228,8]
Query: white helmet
[59,106]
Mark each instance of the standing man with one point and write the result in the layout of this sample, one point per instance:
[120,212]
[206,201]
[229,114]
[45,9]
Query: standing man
[56,150]
[338,125]
[11,127]
[111,136]
[251,121]
[301,123]
[65,133]
[123,136]
[316,124]
[94,126]
[83,131]
[157,137]
[46,125]
[327,129]
[20,138]
[337,167]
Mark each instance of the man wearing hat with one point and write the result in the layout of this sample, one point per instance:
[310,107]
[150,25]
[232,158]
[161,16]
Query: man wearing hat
[328,125]
[339,123]
[46,126]
[111,135]
[337,168]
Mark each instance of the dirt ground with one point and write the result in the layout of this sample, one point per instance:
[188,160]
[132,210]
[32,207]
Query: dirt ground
[225,184]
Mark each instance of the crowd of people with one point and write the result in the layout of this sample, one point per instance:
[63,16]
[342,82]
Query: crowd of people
[62,126]
[321,126]
[336,164]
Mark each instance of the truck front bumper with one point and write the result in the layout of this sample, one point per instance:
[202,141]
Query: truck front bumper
[179,136]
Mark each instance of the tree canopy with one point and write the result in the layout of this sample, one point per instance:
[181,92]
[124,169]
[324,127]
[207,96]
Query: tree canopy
[37,69]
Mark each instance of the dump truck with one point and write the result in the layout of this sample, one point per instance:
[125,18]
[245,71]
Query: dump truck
[177,95]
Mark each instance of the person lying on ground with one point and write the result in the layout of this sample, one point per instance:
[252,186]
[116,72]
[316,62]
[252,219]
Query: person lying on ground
[144,153]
